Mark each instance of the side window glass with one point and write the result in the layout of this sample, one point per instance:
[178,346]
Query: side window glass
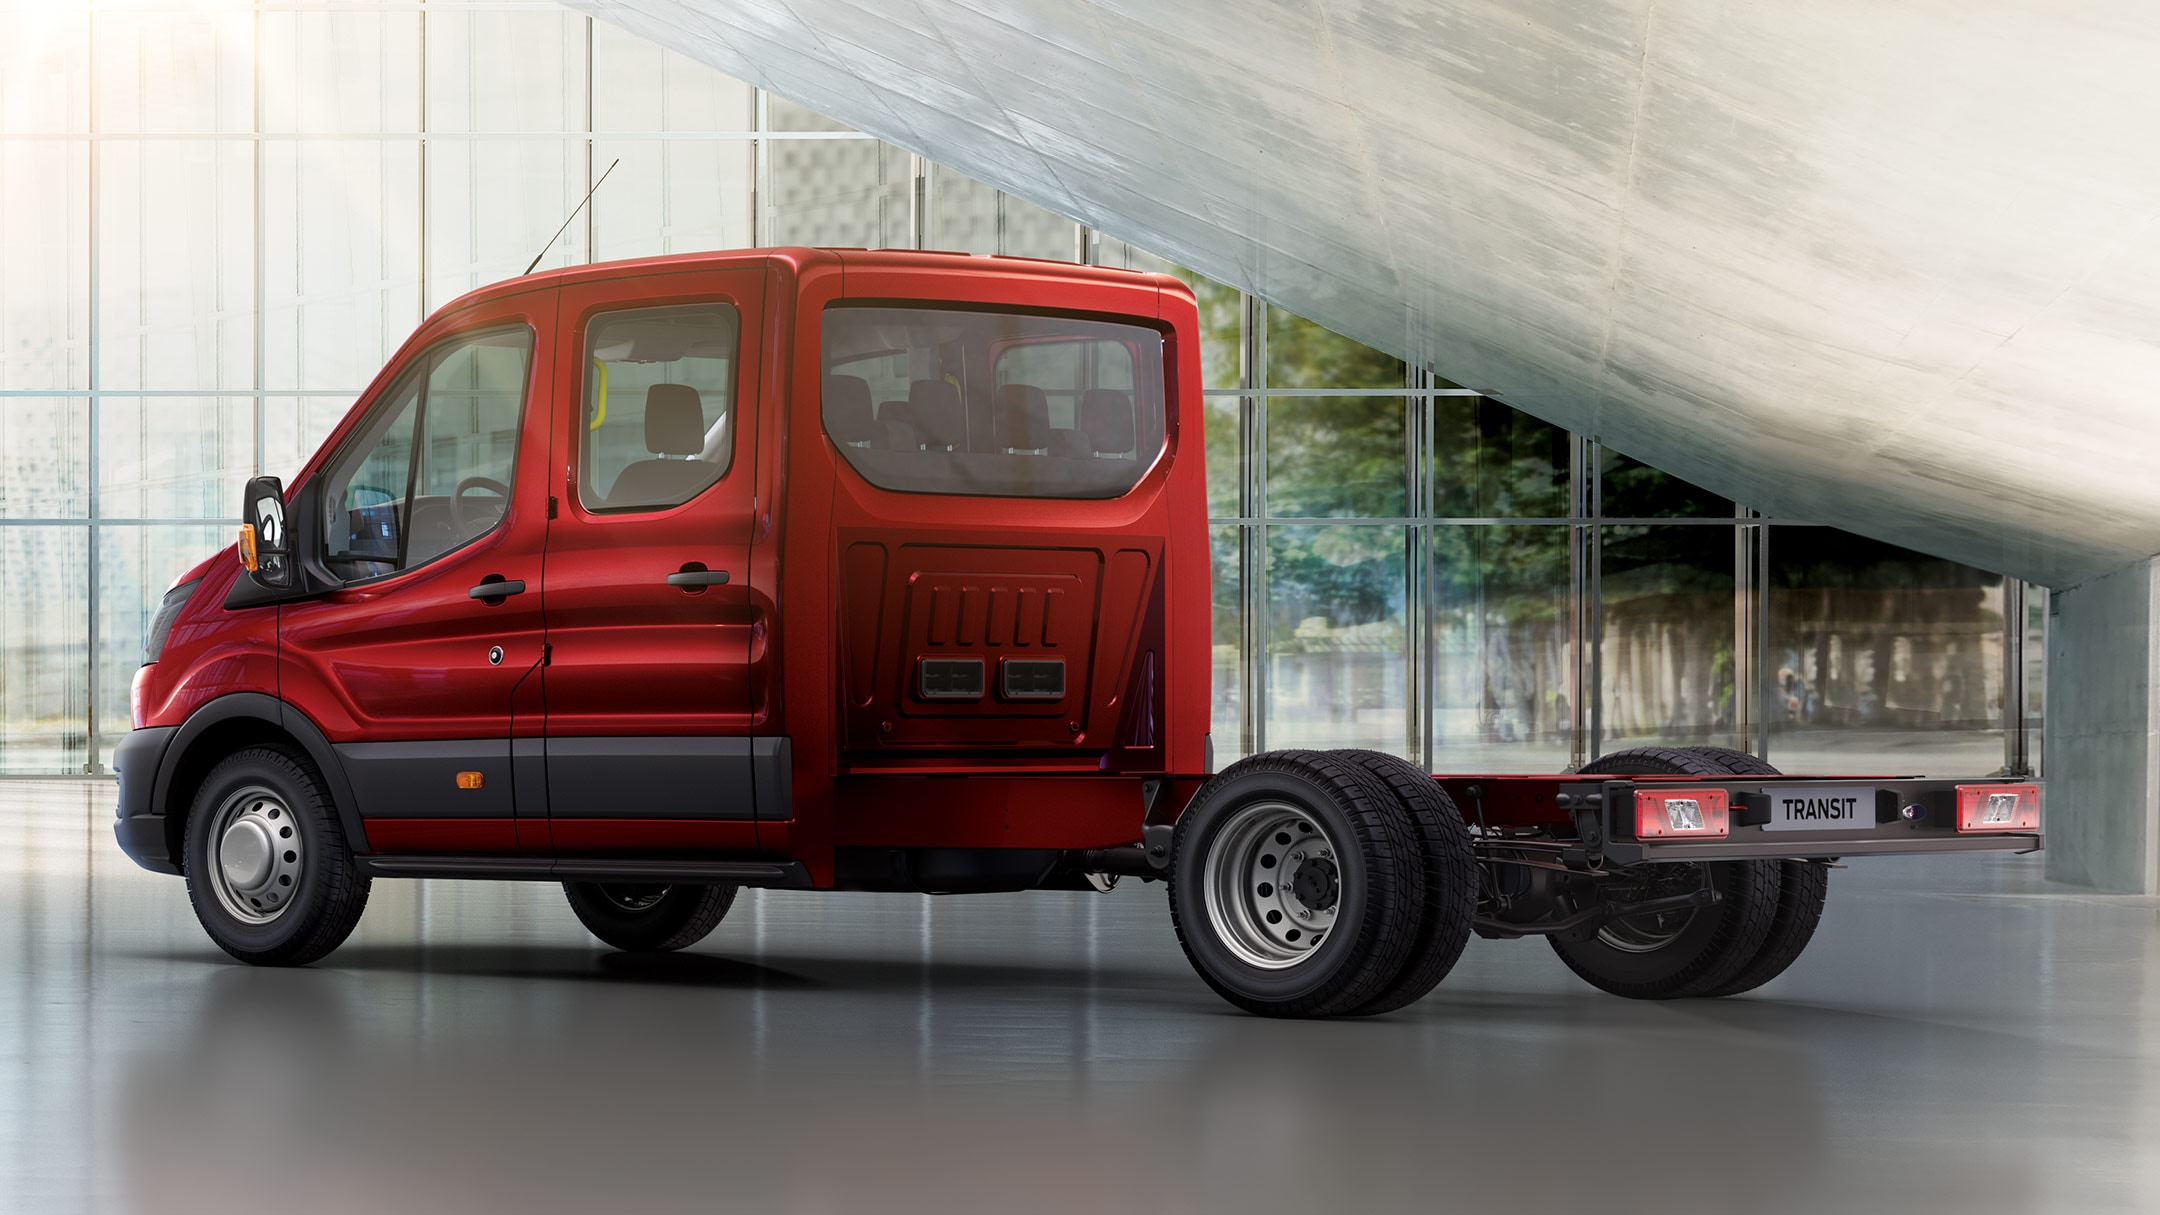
[658,424]
[931,400]
[432,469]
[468,447]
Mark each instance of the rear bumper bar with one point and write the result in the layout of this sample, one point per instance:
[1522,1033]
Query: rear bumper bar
[1782,846]
[1603,811]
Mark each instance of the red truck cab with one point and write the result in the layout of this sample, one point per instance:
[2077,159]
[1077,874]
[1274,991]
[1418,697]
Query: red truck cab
[819,569]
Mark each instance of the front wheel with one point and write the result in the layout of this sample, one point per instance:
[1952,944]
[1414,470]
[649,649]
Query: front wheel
[268,870]
[1296,885]
[641,918]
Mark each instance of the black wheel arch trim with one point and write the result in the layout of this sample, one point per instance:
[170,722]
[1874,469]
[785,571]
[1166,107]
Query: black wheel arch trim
[269,710]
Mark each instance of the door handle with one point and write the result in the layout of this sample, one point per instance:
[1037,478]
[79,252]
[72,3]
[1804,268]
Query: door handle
[495,588]
[695,576]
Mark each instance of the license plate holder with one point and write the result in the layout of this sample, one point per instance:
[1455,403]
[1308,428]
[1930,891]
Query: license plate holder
[1838,807]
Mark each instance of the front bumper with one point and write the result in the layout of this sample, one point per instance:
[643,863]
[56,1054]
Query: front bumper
[141,825]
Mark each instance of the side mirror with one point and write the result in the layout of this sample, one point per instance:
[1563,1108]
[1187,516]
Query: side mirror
[264,547]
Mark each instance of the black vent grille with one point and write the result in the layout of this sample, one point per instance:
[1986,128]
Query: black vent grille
[952,679]
[1034,679]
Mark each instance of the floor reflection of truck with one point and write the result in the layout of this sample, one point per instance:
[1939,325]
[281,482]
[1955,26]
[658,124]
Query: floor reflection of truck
[876,571]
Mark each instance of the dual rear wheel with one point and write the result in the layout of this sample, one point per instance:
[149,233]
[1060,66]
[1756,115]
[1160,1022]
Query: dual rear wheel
[1316,884]
[1764,916]
[1343,883]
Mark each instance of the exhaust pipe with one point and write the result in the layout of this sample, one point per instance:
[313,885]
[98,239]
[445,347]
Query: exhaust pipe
[1126,860]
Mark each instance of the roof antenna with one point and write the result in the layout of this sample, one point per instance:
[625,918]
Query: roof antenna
[573,215]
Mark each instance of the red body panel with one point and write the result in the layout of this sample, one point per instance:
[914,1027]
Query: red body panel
[408,656]
[442,835]
[837,589]
[207,654]
[629,653]
[982,811]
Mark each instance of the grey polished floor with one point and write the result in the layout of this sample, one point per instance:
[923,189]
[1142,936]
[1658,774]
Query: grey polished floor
[1962,1037]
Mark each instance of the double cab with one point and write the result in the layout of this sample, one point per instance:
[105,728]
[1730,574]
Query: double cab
[837,569]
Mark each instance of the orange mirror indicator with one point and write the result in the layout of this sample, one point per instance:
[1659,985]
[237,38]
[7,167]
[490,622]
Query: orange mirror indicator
[247,546]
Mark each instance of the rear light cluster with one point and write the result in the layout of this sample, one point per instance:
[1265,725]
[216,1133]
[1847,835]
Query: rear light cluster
[1703,814]
[1998,807]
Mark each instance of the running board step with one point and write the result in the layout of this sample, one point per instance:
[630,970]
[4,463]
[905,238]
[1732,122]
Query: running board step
[775,875]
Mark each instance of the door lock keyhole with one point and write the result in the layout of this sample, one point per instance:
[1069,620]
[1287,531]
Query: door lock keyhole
[494,655]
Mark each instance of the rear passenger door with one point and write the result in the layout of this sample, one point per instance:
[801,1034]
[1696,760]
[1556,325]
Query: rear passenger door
[649,621]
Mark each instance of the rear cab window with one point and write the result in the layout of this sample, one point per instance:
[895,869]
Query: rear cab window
[943,400]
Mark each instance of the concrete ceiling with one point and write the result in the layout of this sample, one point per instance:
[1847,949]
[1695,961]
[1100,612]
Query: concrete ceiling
[1888,264]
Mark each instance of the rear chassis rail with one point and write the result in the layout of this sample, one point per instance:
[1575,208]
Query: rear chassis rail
[1590,824]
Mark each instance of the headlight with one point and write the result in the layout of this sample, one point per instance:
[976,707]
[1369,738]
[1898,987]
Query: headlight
[160,625]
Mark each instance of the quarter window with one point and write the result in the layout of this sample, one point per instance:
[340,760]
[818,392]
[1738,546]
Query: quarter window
[945,401]
[431,469]
[658,425]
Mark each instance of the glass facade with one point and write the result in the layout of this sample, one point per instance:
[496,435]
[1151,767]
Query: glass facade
[217,222]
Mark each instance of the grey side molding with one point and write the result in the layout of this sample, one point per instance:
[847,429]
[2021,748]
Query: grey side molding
[772,777]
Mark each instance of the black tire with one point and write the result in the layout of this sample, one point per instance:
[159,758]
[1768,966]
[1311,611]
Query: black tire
[293,903]
[1714,944]
[1802,888]
[1721,760]
[1363,882]
[649,918]
[1451,885]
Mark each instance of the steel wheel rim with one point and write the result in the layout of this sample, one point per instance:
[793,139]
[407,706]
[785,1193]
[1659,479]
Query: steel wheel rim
[1272,859]
[633,899]
[257,855]
[1649,933]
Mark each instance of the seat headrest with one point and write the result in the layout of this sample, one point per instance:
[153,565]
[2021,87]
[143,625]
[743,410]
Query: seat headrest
[1023,417]
[934,407]
[847,408]
[674,420]
[1106,415]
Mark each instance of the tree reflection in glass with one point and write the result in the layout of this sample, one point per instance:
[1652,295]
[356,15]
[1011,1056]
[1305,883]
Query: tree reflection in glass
[1500,648]
[1335,643]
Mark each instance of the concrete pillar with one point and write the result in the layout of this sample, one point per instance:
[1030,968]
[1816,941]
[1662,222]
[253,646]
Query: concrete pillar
[2103,731]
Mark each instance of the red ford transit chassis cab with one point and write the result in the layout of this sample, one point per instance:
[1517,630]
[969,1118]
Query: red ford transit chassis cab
[832,569]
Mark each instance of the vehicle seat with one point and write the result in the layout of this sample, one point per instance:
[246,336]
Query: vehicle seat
[934,407]
[1106,415]
[847,409]
[674,426]
[895,428]
[1023,418]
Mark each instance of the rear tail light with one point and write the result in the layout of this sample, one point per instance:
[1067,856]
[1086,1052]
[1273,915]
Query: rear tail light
[1998,807]
[1682,814]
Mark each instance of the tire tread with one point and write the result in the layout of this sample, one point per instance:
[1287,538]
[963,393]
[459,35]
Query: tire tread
[1751,899]
[1395,881]
[1444,924]
[343,893]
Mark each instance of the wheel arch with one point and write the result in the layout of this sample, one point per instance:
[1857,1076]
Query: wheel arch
[223,726]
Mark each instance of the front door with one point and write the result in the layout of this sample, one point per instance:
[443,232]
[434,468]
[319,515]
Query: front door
[649,620]
[432,514]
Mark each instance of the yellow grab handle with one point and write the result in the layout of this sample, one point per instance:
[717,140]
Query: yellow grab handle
[599,396]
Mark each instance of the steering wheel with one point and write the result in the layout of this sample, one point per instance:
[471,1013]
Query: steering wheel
[465,522]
